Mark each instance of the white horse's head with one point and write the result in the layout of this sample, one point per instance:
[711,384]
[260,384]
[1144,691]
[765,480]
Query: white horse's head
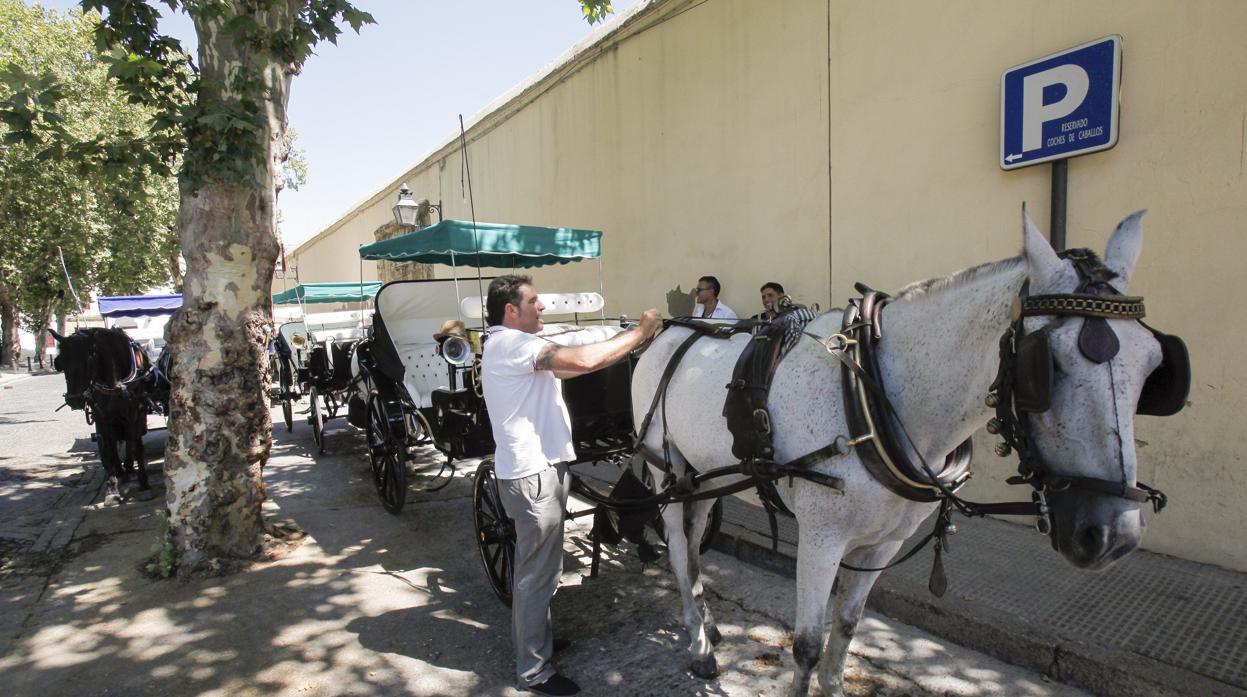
[1086,435]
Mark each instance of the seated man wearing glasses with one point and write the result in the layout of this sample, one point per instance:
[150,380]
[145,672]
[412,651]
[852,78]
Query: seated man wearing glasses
[706,294]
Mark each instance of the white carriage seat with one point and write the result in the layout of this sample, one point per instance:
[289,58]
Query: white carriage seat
[578,335]
[424,369]
[556,304]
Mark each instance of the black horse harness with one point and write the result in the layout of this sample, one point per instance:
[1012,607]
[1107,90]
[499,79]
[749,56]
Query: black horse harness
[140,368]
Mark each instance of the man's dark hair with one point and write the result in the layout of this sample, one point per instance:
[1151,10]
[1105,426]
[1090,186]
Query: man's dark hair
[714,283]
[773,286]
[503,291]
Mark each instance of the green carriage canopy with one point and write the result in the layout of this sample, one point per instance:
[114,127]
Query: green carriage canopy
[312,293]
[453,242]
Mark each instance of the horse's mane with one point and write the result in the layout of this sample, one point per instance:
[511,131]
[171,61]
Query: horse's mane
[1092,265]
[935,285]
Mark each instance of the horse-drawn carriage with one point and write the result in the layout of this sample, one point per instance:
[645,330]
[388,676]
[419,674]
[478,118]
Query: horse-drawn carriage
[312,356]
[419,371]
[112,376]
[149,336]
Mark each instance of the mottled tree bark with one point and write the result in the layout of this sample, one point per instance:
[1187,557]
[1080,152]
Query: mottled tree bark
[175,270]
[9,343]
[41,336]
[220,428]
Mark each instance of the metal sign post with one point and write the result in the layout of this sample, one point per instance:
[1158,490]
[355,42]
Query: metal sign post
[1057,107]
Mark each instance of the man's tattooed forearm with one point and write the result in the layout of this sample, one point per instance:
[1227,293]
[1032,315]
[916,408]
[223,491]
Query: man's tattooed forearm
[545,359]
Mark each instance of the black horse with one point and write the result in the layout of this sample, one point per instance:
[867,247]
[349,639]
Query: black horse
[109,377]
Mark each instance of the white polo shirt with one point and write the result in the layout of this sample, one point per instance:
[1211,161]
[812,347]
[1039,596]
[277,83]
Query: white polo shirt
[721,311]
[531,426]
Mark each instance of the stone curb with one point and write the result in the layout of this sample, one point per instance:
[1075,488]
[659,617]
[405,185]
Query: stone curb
[1099,669]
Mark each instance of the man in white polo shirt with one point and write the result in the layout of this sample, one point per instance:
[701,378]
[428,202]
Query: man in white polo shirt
[522,375]
[706,295]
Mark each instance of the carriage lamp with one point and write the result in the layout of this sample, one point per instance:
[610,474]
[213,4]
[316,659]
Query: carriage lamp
[406,210]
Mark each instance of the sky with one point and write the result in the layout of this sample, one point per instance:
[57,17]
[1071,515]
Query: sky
[369,107]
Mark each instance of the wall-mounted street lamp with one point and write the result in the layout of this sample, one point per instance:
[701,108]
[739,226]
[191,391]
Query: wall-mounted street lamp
[411,213]
[406,208]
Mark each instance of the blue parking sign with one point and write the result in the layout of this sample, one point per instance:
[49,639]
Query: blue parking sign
[1062,105]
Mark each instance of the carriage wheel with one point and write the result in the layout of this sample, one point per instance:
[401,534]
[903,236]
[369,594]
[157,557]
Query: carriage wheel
[287,402]
[387,453]
[495,533]
[317,419]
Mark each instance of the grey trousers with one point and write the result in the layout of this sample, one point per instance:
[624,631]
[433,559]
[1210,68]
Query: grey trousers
[536,503]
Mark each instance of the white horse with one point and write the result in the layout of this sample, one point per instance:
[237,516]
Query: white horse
[938,357]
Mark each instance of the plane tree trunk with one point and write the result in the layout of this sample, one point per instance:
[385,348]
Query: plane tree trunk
[9,344]
[220,427]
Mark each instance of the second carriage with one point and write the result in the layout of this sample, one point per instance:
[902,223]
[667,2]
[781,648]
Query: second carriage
[312,355]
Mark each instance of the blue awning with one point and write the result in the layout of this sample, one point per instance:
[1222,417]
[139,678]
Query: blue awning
[139,305]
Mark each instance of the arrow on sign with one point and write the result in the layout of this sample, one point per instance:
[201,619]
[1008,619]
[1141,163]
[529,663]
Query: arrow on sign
[1011,158]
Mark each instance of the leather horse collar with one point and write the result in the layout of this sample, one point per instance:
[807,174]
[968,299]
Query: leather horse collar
[887,460]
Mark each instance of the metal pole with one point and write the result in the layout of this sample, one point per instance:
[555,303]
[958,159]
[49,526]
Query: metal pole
[1060,190]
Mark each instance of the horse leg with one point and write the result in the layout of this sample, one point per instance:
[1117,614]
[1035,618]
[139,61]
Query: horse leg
[703,665]
[818,560]
[138,427]
[698,518]
[107,443]
[847,606]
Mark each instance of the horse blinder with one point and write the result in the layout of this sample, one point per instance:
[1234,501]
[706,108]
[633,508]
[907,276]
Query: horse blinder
[1032,390]
[1166,389]
[1164,393]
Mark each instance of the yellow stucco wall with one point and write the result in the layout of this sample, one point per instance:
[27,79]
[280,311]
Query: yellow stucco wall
[683,137]
[820,143]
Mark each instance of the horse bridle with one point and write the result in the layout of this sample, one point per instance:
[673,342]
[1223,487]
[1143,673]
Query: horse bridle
[1023,382]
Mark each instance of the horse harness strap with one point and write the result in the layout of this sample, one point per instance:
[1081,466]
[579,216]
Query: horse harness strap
[747,416]
[870,413]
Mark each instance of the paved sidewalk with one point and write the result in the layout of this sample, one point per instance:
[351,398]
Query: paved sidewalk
[366,603]
[1150,626]
[370,603]
[10,377]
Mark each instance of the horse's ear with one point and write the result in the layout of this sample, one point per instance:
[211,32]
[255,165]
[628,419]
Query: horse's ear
[1044,268]
[56,336]
[1123,249]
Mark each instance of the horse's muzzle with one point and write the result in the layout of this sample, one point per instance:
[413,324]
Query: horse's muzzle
[1093,530]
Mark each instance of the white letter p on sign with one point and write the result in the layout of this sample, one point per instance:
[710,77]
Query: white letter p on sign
[1035,113]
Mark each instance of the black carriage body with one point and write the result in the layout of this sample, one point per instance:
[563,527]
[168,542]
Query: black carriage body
[600,406]
[329,365]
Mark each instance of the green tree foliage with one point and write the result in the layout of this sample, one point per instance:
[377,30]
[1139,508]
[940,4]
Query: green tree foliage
[70,173]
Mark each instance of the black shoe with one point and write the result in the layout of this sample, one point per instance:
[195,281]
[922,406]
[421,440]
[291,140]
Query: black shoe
[555,686]
[561,644]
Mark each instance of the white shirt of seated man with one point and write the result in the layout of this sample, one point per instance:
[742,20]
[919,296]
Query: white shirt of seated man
[522,374]
[705,296]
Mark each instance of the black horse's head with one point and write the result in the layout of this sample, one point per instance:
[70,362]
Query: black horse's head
[91,359]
